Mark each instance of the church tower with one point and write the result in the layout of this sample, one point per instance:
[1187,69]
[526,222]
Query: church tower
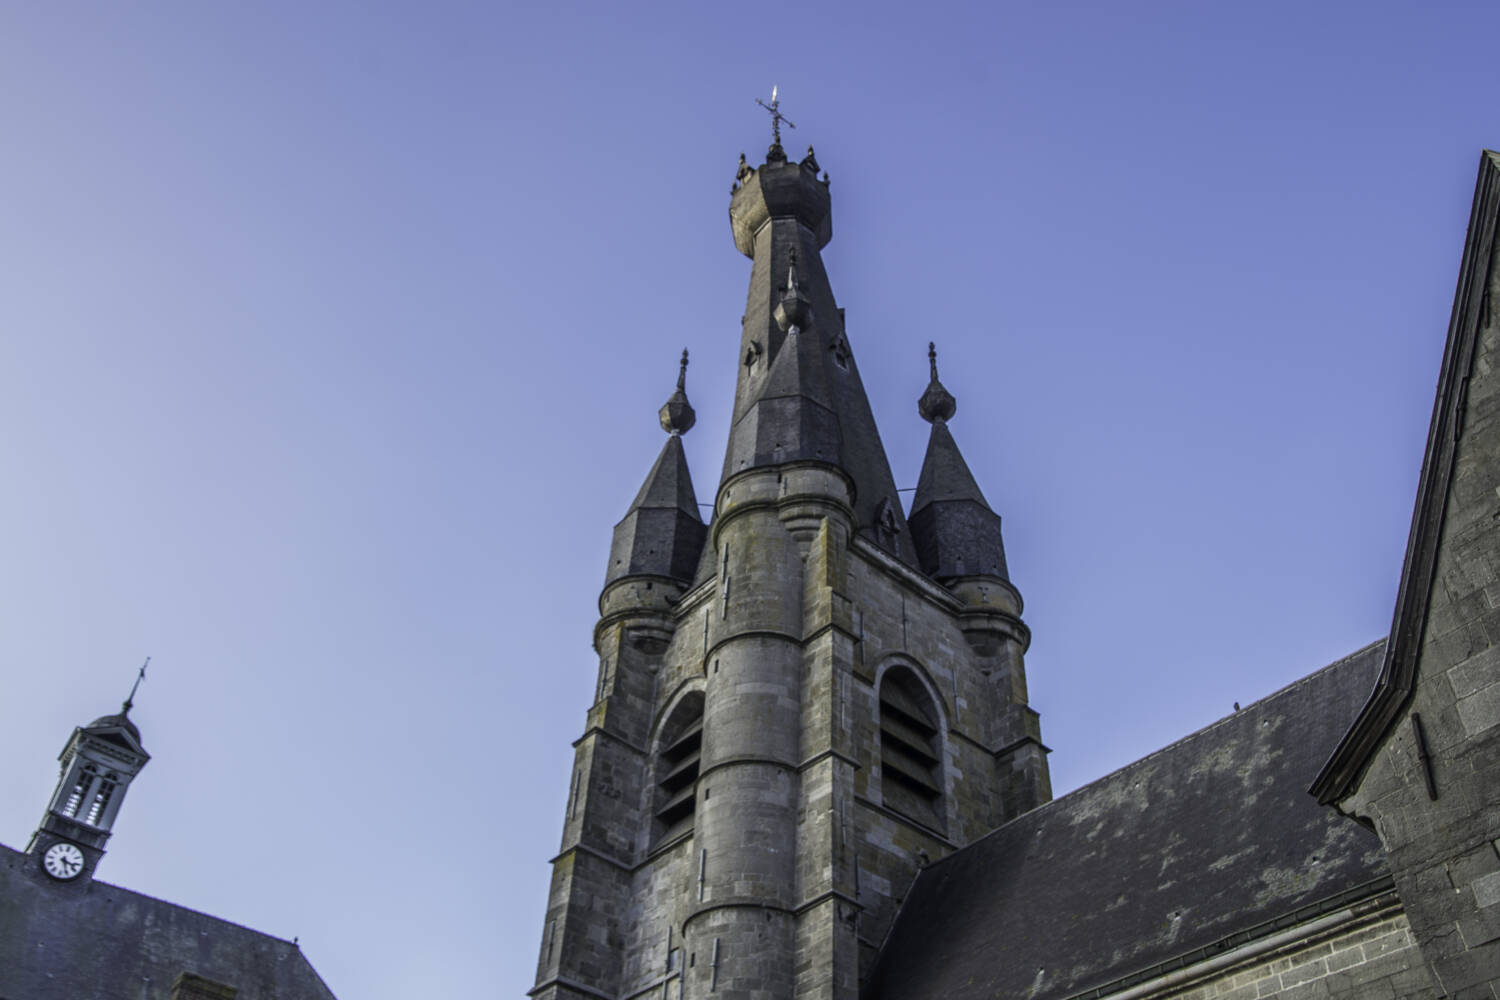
[98,764]
[805,700]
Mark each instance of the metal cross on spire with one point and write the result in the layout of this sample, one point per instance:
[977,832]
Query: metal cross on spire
[134,687]
[776,117]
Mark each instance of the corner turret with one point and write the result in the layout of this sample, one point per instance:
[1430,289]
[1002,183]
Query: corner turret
[662,533]
[956,532]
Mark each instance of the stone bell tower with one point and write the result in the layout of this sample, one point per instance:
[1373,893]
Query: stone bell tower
[803,701]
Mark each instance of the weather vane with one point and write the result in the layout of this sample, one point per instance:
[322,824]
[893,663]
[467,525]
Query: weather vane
[776,117]
[136,686]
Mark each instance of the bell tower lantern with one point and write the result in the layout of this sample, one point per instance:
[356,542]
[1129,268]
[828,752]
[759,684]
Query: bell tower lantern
[97,765]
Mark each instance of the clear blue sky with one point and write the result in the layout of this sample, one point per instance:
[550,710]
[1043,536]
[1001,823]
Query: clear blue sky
[332,336]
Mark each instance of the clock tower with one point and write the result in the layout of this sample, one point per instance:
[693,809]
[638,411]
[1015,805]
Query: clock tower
[97,765]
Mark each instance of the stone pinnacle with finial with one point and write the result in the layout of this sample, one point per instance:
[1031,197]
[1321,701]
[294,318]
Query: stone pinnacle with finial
[677,416]
[937,403]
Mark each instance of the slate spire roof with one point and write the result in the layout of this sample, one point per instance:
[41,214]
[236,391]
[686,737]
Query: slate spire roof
[798,396]
[956,532]
[662,533]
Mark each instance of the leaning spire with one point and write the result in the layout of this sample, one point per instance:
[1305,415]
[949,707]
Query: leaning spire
[662,533]
[956,532]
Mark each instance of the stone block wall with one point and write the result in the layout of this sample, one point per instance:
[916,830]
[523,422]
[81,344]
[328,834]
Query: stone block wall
[1433,789]
[795,864]
[1375,960]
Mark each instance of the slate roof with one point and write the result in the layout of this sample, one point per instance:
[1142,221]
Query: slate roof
[106,725]
[662,533]
[1211,837]
[955,531]
[100,941]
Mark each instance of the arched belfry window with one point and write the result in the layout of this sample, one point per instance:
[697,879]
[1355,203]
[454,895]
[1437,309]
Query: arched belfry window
[105,791]
[679,748]
[911,775]
[83,784]
[89,795]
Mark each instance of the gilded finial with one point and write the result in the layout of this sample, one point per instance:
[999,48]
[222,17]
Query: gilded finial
[676,415]
[937,403]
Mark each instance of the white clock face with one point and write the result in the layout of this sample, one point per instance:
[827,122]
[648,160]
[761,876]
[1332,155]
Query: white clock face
[63,861]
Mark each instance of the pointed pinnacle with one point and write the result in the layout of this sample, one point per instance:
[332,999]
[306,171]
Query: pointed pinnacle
[937,403]
[794,308]
[676,415]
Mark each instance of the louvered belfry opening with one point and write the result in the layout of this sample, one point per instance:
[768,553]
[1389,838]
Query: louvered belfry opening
[910,763]
[681,747]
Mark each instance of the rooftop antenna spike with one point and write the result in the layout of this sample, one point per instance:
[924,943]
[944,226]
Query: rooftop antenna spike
[776,117]
[140,676]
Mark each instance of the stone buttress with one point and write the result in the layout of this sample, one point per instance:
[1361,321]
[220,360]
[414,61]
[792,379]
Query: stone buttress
[802,703]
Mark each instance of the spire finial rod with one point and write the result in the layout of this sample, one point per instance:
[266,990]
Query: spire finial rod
[682,372]
[932,358]
[140,676]
[776,117]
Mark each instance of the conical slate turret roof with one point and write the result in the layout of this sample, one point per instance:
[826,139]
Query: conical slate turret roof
[956,532]
[662,533]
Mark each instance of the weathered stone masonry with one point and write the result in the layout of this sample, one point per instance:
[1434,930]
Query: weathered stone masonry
[859,718]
